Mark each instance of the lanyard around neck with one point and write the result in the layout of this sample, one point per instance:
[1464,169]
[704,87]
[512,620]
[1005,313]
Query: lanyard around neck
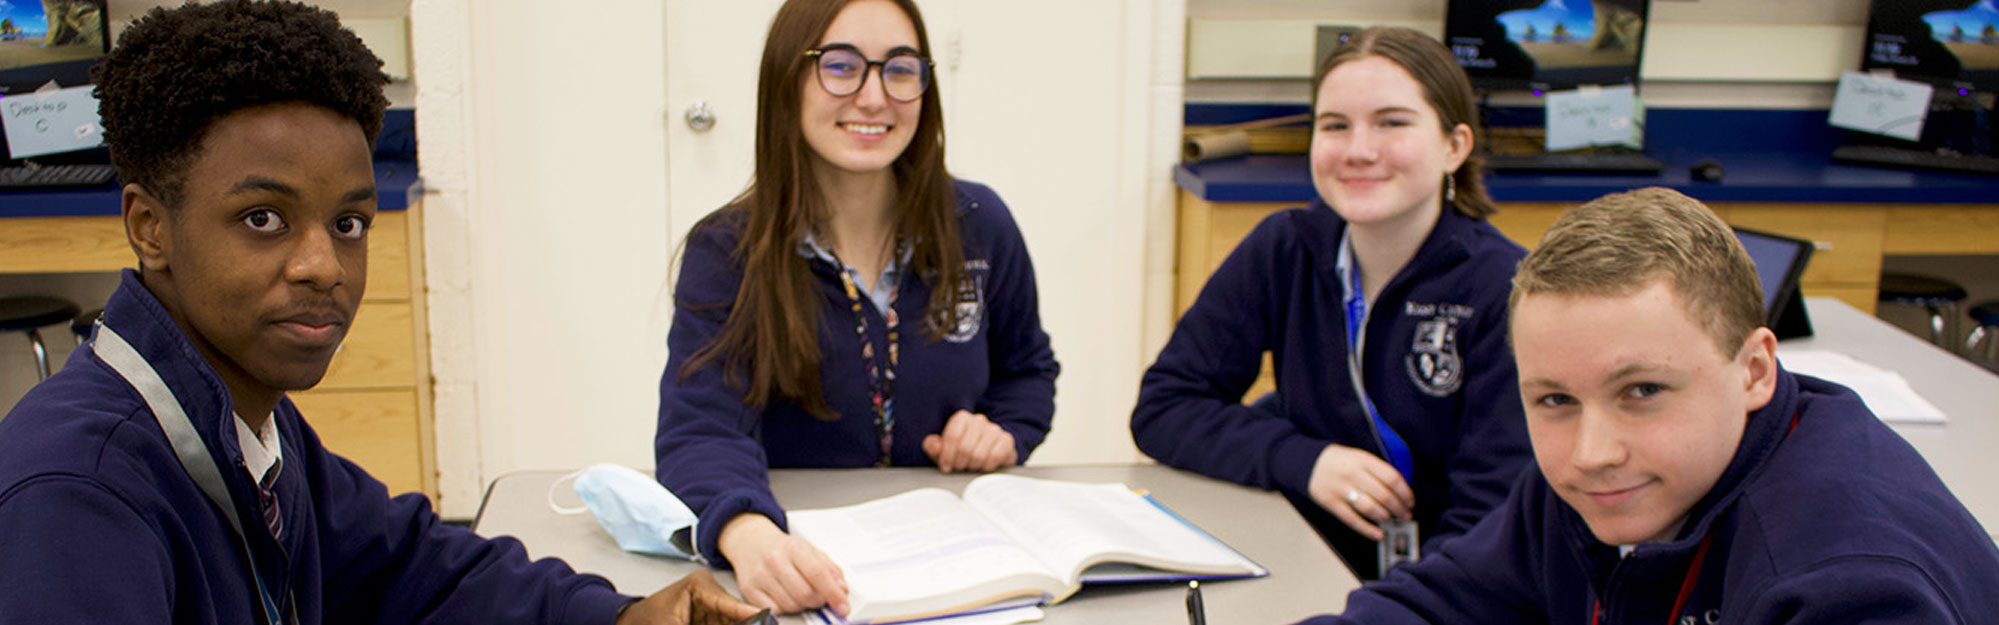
[187,444]
[880,370]
[1393,448]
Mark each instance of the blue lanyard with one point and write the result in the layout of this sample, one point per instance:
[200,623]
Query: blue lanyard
[1396,451]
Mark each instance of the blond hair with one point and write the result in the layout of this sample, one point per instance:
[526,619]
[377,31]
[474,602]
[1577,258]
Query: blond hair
[1619,243]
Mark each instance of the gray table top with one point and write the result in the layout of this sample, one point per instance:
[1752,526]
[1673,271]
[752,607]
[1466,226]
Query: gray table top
[1965,449]
[1305,577]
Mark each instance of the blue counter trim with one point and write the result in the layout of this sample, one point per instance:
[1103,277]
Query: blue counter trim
[393,183]
[1218,114]
[1750,177]
[1766,155]
[397,142]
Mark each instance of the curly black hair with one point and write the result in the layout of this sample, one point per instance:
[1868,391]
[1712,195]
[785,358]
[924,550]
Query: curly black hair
[174,72]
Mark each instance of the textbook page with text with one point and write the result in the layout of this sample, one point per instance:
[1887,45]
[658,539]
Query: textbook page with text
[1008,541]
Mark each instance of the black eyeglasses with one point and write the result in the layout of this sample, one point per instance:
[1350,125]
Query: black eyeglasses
[842,71]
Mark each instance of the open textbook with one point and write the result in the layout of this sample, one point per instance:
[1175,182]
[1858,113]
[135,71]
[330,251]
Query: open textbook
[1009,541]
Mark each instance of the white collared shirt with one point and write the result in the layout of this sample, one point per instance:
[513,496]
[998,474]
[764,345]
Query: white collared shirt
[263,454]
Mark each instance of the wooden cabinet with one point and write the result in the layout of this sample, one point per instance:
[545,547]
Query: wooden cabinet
[373,406]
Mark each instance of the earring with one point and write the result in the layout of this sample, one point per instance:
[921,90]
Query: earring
[1450,188]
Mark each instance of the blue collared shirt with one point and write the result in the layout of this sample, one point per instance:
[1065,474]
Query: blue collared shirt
[891,276]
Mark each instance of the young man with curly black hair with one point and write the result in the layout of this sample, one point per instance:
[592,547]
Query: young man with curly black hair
[162,476]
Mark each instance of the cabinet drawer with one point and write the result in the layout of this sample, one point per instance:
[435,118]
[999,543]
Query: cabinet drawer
[376,429]
[389,257]
[1524,223]
[379,352]
[1972,229]
[65,244]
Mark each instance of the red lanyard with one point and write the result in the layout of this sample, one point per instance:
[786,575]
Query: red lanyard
[1693,570]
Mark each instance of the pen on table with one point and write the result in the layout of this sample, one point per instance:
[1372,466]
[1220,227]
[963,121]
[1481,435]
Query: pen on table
[1196,614]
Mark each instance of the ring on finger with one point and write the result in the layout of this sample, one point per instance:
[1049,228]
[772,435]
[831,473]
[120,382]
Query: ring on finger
[1353,496]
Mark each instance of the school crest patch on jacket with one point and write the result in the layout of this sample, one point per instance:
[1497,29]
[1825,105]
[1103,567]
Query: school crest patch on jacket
[971,302]
[1433,361]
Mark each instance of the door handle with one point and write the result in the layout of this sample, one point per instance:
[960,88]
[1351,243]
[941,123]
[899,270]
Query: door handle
[700,116]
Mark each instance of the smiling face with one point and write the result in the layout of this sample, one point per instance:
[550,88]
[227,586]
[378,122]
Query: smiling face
[861,133]
[264,261]
[1379,153]
[1633,411]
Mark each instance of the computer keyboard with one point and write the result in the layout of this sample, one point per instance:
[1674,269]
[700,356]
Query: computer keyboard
[1575,162]
[1919,159]
[56,176]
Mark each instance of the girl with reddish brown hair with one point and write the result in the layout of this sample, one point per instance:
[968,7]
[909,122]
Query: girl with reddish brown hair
[1383,306]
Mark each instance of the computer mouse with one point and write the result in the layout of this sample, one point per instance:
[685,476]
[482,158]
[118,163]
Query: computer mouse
[1707,170]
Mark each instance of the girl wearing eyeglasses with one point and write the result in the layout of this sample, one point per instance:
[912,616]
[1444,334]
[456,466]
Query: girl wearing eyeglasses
[855,307]
[1383,305]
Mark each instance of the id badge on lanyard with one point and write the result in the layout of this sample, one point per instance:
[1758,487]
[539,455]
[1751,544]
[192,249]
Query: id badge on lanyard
[1400,540]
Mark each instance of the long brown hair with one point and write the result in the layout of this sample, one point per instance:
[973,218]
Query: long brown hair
[1445,87]
[773,328]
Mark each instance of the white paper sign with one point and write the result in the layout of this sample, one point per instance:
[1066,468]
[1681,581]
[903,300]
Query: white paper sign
[50,120]
[1881,105]
[1594,116]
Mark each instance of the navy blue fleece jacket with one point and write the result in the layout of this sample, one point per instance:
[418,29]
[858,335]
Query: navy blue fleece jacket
[99,522]
[714,451]
[1840,522]
[1433,359]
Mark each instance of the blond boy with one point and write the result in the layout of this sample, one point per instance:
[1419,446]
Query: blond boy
[1685,476]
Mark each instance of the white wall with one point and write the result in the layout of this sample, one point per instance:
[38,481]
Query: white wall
[543,148]
[1081,149]
[1699,53]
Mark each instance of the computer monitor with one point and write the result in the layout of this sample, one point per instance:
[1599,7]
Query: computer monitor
[1780,262]
[1953,44]
[1546,44]
[51,41]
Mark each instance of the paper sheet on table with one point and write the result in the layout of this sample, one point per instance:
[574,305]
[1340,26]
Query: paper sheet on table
[1009,616]
[1886,393]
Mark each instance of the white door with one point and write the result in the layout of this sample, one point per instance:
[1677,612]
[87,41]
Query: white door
[712,51]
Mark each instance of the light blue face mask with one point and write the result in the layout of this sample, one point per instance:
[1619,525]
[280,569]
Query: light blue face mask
[639,513]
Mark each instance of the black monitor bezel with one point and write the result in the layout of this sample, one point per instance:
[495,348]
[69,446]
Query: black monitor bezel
[1484,82]
[1961,82]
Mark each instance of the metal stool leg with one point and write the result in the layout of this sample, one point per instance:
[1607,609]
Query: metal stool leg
[1943,325]
[41,353]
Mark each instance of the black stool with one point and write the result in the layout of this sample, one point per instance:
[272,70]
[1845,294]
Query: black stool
[1986,315]
[82,324]
[30,314]
[1940,297]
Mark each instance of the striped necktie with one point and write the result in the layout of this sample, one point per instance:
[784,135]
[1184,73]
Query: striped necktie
[267,499]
